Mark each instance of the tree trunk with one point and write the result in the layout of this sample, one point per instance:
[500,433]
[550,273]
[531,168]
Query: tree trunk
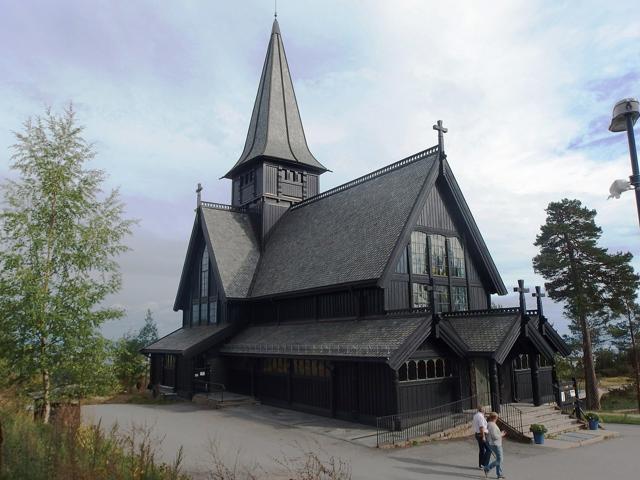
[634,353]
[590,379]
[46,396]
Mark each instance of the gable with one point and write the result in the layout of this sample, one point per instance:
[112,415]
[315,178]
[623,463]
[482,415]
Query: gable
[233,250]
[345,235]
[444,211]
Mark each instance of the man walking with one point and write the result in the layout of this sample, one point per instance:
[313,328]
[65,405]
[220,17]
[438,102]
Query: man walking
[480,431]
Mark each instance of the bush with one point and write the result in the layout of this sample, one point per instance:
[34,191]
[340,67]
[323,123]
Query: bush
[65,449]
[592,416]
[537,428]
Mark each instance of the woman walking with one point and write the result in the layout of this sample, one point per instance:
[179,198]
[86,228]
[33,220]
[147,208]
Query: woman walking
[494,437]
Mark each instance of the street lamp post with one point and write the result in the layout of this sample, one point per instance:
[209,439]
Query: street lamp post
[625,114]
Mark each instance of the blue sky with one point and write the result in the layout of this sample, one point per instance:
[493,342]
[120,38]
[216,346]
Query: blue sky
[166,89]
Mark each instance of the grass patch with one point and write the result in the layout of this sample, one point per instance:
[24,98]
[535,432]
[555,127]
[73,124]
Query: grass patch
[66,449]
[138,398]
[620,399]
[625,418]
[614,382]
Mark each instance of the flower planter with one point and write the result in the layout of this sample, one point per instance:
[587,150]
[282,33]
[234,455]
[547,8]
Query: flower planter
[538,438]
[593,424]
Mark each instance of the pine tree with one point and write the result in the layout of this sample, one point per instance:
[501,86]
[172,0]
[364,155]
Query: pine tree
[59,238]
[129,364]
[581,274]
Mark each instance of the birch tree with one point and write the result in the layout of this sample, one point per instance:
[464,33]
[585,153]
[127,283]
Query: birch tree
[60,236]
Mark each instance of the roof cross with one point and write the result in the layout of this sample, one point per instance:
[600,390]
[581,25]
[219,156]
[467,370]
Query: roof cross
[539,295]
[441,131]
[523,301]
[198,190]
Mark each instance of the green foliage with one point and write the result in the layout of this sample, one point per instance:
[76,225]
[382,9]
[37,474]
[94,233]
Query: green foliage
[129,364]
[590,281]
[620,418]
[59,239]
[67,450]
[592,416]
[620,399]
[537,428]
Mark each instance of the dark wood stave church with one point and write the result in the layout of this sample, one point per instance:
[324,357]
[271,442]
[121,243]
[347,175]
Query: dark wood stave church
[369,299]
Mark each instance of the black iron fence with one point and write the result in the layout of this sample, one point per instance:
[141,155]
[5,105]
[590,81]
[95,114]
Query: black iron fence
[402,427]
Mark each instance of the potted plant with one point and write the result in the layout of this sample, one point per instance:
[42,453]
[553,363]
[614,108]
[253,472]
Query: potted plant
[593,420]
[538,431]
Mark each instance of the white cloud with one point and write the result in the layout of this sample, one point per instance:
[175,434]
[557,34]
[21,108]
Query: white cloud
[525,88]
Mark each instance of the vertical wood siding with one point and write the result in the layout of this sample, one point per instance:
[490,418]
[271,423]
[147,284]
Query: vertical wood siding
[421,395]
[270,179]
[435,214]
[397,295]
[477,298]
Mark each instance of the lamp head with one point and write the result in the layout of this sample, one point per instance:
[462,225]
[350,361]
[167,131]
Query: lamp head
[627,106]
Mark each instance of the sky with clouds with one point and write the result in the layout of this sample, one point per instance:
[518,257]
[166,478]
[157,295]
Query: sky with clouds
[166,89]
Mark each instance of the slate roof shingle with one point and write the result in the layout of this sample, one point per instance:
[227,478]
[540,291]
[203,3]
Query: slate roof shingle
[184,340]
[344,237]
[235,248]
[375,338]
[483,333]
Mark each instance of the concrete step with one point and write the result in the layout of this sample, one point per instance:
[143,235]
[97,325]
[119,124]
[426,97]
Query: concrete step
[213,400]
[552,418]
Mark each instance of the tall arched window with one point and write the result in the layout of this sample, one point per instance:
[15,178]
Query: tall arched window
[204,274]
[413,371]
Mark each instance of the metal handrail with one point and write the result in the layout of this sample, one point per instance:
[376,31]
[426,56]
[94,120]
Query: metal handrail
[219,387]
[391,429]
[512,416]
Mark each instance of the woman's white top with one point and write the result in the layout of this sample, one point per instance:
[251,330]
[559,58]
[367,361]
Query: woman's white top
[494,434]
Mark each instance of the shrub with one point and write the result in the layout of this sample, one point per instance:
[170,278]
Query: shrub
[65,449]
[537,428]
[592,416]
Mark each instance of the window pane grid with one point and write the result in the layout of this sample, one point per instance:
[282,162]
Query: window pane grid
[419,253]
[438,255]
[441,298]
[459,299]
[420,295]
[457,258]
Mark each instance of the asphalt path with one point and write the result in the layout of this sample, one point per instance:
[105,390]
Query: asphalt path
[261,438]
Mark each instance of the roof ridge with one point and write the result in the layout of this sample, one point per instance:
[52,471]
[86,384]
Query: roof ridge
[483,312]
[369,176]
[223,206]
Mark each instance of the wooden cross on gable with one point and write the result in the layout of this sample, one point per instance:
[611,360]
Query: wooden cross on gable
[521,290]
[198,191]
[441,131]
[539,295]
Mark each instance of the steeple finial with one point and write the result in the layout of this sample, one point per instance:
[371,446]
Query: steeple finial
[441,131]
[275,8]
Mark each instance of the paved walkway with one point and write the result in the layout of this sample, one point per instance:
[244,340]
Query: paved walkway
[263,435]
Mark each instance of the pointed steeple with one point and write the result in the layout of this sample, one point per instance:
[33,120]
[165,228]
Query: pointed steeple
[276,129]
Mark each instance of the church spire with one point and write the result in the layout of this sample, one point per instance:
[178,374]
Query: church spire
[276,129]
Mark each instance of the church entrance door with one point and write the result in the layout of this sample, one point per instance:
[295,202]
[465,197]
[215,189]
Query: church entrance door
[481,378]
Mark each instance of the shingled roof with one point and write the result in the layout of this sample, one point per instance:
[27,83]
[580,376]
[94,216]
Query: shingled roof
[276,129]
[344,235]
[482,332]
[235,247]
[189,341]
[386,339]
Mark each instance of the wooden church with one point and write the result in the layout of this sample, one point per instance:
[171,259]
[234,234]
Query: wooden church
[369,299]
